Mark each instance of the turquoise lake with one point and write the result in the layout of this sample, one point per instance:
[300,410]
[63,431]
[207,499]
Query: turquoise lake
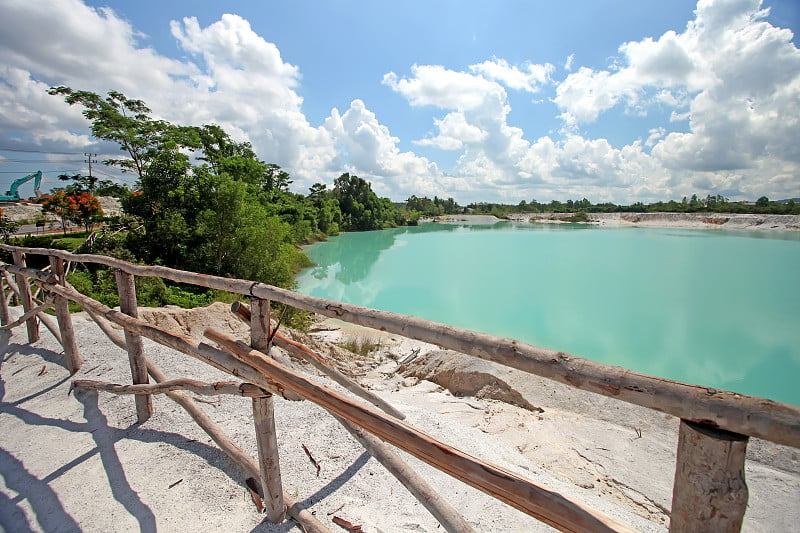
[708,307]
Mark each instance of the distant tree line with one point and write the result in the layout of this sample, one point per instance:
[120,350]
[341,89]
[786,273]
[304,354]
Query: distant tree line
[694,204]
[432,208]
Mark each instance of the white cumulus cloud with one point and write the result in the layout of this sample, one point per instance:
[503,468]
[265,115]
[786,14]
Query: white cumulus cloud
[529,78]
[371,151]
[454,133]
[434,85]
[734,76]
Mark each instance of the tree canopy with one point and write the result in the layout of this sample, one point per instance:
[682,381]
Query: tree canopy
[79,208]
[361,208]
[206,202]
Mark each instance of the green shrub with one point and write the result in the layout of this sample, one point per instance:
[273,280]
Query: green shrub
[295,318]
[151,292]
[100,284]
[580,216]
[190,296]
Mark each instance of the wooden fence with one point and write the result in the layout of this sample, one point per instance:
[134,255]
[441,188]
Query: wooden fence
[709,490]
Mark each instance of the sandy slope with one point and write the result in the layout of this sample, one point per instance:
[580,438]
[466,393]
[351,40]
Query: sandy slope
[719,221]
[80,462]
[705,221]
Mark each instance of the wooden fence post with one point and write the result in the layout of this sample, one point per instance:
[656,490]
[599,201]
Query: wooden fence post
[5,314]
[71,353]
[126,288]
[25,295]
[264,418]
[12,299]
[709,492]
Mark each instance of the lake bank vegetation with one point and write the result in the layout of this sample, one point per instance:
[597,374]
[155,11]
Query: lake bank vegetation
[206,203]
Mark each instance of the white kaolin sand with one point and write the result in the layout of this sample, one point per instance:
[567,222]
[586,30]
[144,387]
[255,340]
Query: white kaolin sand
[79,461]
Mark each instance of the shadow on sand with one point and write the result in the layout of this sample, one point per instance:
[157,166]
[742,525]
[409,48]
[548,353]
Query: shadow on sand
[47,509]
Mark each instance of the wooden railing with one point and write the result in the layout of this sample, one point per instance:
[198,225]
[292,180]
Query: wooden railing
[709,490]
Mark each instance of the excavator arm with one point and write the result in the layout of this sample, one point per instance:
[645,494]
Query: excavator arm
[36,182]
[13,196]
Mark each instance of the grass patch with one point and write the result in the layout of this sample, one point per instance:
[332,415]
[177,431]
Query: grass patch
[69,244]
[362,346]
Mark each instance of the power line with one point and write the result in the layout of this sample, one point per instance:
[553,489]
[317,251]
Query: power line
[124,177]
[43,171]
[106,173]
[4,149]
[38,161]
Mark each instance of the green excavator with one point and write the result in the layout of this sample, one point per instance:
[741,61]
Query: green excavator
[13,196]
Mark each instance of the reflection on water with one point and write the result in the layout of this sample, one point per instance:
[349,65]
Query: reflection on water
[708,307]
[359,251]
[359,254]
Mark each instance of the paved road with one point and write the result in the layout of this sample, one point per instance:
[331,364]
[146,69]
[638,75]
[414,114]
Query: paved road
[31,229]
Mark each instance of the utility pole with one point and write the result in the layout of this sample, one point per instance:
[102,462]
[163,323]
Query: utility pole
[89,160]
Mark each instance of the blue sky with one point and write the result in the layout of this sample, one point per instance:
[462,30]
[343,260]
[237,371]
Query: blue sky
[498,101]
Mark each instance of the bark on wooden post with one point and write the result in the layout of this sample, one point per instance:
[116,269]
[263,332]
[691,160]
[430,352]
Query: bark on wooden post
[126,287]
[5,314]
[13,298]
[71,353]
[25,296]
[710,493]
[264,418]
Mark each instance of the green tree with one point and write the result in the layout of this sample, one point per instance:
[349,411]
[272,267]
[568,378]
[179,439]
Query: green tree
[166,202]
[318,191]
[86,210]
[223,155]
[449,206]
[93,185]
[329,216]
[276,179]
[127,122]
[221,216]
[237,236]
[425,206]
[62,205]
[80,183]
[361,208]
[109,188]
